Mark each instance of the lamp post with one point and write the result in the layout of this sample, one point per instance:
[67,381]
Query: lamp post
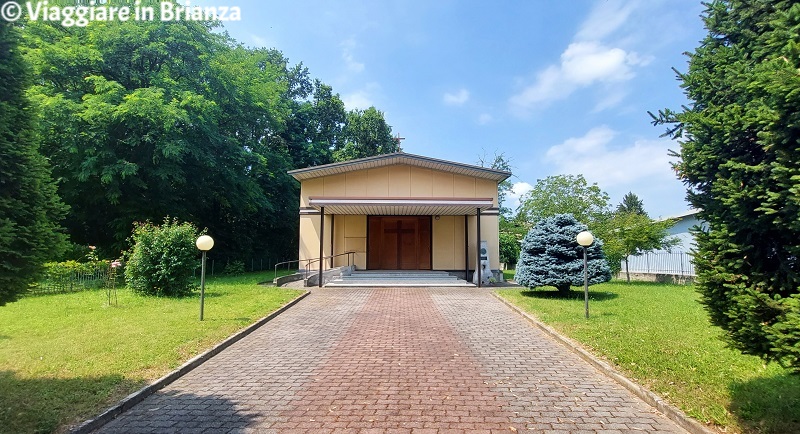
[585,239]
[204,243]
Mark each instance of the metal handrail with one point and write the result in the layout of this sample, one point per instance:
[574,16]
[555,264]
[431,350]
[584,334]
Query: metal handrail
[287,266]
[310,261]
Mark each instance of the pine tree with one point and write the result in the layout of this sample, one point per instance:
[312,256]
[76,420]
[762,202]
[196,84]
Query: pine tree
[631,204]
[551,256]
[29,207]
[740,158]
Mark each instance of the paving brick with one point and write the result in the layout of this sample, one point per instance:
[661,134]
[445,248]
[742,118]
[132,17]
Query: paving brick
[394,360]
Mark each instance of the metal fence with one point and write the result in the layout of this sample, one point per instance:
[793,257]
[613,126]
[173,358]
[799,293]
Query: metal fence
[217,266]
[675,263]
[59,280]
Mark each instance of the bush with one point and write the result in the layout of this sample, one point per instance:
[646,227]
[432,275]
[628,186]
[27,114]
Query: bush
[551,256]
[234,268]
[162,258]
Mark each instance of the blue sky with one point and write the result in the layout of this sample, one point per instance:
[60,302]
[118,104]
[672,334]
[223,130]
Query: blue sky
[559,87]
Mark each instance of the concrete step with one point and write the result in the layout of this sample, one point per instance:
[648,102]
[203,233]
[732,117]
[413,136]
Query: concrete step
[395,283]
[395,278]
[398,276]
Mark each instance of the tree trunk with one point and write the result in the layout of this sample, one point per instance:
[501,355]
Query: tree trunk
[627,273]
[563,289]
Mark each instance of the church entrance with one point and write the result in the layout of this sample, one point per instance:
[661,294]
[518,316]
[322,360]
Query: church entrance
[399,243]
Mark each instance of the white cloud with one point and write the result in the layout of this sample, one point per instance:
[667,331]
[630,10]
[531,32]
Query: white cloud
[598,56]
[517,191]
[582,64]
[457,98]
[357,100]
[362,98]
[594,156]
[352,65]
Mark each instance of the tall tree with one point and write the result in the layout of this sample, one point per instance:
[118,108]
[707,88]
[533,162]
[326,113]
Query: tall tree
[152,119]
[366,133]
[510,231]
[564,194]
[499,162]
[631,204]
[30,210]
[740,158]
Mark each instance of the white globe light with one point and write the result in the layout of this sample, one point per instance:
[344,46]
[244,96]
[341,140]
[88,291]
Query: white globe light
[585,238]
[204,242]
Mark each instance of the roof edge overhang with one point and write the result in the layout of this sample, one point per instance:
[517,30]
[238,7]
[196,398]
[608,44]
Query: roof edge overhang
[400,205]
[396,159]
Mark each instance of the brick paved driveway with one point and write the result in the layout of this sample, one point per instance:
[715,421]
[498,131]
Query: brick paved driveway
[400,360]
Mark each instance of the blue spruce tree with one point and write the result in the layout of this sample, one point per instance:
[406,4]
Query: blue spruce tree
[551,256]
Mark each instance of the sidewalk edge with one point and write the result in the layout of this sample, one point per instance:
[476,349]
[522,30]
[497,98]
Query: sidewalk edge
[136,397]
[672,413]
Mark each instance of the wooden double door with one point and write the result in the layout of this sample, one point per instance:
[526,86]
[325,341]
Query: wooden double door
[399,243]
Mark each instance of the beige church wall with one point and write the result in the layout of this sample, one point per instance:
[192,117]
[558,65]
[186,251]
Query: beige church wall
[421,182]
[448,242]
[378,182]
[309,239]
[463,186]
[311,187]
[356,184]
[442,184]
[350,235]
[350,231]
[398,181]
[486,188]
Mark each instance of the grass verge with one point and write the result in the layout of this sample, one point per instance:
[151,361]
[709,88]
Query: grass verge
[65,358]
[660,337]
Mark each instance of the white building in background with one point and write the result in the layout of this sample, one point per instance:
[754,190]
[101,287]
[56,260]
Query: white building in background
[678,260]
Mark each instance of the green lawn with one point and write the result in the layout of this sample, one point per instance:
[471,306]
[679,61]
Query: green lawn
[660,337]
[66,357]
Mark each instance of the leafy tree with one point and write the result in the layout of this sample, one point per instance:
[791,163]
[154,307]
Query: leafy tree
[564,194]
[499,162]
[366,133]
[631,233]
[631,204]
[30,210]
[162,258]
[510,231]
[509,248]
[149,119]
[740,159]
[551,256]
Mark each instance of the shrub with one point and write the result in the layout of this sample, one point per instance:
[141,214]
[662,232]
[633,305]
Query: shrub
[162,258]
[551,256]
[234,268]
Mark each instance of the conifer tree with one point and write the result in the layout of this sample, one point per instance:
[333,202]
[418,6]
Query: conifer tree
[551,256]
[29,207]
[740,158]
